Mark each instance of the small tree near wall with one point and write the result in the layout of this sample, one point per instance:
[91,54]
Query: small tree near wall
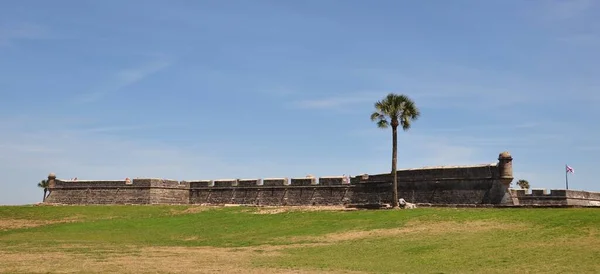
[523,184]
[44,185]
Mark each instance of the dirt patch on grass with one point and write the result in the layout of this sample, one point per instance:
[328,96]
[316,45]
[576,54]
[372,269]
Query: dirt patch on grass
[261,209]
[190,210]
[8,224]
[193,238]
[424,228]
[145,260]
[277,210]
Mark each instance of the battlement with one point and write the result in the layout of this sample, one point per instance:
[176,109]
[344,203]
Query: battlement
[542,196]
[484,184]
[150,182]
[475,184]
[444,173]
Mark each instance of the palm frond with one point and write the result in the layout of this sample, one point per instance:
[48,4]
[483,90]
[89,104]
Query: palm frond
[382,123]
[396,107]
[43,184]
[376,116]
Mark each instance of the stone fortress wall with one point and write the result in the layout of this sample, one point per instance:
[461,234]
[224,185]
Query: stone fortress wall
[556,197]
[485,185]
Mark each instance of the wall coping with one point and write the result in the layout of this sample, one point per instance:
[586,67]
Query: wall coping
[89,181]
[548,192]
[449,167]
[152,178]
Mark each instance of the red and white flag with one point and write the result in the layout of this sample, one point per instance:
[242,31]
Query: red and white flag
[570,169]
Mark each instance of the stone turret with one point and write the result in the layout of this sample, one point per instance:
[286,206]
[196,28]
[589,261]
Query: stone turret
[51,185]
[51,180]
[505,168]
[506,177]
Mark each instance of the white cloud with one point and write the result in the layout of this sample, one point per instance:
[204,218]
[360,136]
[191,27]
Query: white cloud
[123,79]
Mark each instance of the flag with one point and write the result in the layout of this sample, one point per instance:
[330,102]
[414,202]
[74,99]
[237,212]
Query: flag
[570,169]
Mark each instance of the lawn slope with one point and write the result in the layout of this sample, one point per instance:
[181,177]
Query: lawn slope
[134,239]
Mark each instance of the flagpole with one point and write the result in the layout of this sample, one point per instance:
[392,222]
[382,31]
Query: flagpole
[567,176]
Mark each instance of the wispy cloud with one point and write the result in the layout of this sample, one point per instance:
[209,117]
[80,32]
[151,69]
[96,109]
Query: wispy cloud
[566,9]
[439,84]
[340,101]
[586,39]
[124,78]
[516,127]
[118,129]
[475,139]
[278,91]
[591,148]
[440,95]
[420,150]
[26,31]
[29,155]
[572,21]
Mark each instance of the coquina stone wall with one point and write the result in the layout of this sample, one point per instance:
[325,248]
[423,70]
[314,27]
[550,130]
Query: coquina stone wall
[138,191]
[439,185]
[554,197]
[486,184]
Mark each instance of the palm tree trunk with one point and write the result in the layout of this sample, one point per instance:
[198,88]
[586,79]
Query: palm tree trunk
[394,160]
[45,191]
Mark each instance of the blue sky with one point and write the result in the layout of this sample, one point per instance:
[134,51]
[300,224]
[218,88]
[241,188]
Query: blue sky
[252,89]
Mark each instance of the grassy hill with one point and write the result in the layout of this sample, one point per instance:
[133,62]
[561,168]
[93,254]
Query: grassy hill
[160,239]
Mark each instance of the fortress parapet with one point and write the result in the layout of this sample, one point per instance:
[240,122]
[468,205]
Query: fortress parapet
[332,180]
[541,196]
[201,183]
[275,182]
[305,181]
[485,184]
[248,182]
[225,182]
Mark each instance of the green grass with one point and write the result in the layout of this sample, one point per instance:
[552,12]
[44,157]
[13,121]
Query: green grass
[525,240]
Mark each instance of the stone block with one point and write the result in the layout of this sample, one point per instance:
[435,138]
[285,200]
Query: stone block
[331,180]
[539,192]
[201,183]
[275,182]
[225,183]
[248,182]
[303,181]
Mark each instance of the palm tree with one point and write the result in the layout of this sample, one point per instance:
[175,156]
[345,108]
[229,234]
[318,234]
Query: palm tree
[44,184]
[395,110]
[523,184]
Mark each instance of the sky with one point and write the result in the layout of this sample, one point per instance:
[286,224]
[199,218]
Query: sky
[192,90]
